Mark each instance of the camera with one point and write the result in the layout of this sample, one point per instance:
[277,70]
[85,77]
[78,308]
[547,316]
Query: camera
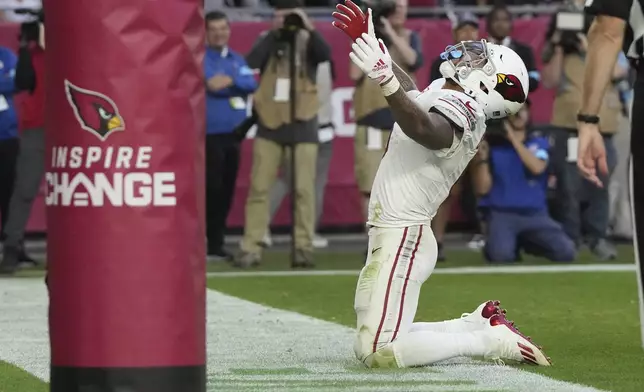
[380,9]
[30,31]
[292,24]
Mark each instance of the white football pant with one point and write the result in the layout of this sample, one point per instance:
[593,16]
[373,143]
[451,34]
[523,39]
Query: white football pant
[399,261]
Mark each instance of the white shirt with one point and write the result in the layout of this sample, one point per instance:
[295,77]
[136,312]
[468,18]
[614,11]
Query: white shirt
[413,181]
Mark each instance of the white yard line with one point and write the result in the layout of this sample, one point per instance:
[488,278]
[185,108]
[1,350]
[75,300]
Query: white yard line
[516,269]
[253,347]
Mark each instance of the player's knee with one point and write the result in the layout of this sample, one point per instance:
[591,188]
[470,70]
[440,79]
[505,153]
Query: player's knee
[564,250]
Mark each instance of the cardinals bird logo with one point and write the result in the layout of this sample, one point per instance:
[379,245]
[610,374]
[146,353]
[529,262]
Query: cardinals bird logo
[510,88]
[95,112]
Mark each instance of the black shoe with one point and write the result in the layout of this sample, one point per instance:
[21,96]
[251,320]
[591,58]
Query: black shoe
[23,257]
[10,260]
[219,255]
[303,259]
[441,253]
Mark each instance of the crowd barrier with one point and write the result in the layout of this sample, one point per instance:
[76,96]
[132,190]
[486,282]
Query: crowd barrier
[342,202]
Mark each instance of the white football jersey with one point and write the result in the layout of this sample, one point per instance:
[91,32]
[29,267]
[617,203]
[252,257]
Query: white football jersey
[413,181]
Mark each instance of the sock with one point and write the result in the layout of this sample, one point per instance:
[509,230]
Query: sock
[421,348]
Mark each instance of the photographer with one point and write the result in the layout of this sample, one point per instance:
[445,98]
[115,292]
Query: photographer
[276,130]
[30,166]
[511,178]
[564,59]
[371,112]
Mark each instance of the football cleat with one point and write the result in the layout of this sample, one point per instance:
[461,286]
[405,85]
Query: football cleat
[483,313]
[508,343]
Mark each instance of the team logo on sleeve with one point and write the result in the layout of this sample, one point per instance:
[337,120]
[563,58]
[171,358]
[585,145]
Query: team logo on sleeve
[510,88]
[95,112]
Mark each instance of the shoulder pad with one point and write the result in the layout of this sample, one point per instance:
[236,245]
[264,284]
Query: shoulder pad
[459,111]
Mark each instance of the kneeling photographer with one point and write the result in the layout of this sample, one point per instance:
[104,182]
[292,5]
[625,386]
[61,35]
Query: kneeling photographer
[286,106]
[510,174]
[30,166]
[371,111]
[564,59]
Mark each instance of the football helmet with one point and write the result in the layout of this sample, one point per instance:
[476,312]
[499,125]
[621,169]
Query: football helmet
[493,74]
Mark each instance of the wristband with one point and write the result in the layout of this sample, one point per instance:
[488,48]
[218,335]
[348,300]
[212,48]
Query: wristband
[390,87]
[588,118]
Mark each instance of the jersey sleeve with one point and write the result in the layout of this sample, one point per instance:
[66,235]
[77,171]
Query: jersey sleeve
[617,8]
[459,112]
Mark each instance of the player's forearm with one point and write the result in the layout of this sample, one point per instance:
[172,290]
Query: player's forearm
[417,123]
[534,165]
[604,44]
[481,177]
[406,82]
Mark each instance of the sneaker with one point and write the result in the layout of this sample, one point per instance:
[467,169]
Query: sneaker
[603,249]
[320,242]
[303,259]
[477,242]
[246,260]
[10,260]
[506,342]
[267,241]
[481,315]
[219,255]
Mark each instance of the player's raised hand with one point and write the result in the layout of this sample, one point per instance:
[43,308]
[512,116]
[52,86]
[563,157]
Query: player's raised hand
[352,21]
[373,58]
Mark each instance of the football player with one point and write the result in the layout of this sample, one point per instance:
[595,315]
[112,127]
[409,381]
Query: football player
[437,132]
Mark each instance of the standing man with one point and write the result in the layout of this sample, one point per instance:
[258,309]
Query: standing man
[608,32]
[229,81]
[279,131]
[30,169]
[9,143]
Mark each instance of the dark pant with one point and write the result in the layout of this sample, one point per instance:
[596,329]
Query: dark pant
[8,157]
[536,233]
[583,208]
[30,169]
[222,164]
[637,179]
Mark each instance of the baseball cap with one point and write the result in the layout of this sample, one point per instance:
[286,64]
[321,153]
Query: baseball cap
[465,19]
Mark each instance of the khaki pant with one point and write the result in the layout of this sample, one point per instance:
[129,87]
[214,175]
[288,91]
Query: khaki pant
[369,147]
[267,159]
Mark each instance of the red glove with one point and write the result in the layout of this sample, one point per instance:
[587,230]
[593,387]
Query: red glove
[352,21]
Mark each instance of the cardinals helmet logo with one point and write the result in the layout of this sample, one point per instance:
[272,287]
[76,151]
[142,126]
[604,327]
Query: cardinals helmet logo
[95,112]
[510,88]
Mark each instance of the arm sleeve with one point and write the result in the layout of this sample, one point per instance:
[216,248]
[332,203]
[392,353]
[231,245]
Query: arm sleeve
[7,78]
[244,81]
[417,46]
[318,49]
[617,8]
[25,73]
[261,50]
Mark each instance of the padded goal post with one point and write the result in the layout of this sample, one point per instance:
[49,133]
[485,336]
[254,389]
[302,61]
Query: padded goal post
[125,195]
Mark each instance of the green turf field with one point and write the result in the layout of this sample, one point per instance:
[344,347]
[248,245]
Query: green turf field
[587,322]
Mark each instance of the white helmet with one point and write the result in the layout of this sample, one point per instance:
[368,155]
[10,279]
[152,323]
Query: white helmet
[493,74]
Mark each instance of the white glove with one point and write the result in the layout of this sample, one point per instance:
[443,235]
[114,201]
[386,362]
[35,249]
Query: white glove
[372,57]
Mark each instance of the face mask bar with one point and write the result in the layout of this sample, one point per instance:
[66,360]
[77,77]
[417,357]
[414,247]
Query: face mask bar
[467,56]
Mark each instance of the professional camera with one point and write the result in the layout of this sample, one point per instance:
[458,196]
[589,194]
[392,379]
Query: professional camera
[30,31]
[570,21]
[380,9]
[292,24]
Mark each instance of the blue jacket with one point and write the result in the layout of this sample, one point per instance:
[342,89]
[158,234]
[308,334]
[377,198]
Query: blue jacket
[513,186]
[226,108]
[8,118]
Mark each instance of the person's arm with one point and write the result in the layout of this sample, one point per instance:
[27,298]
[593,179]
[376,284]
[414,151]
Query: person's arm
[244,80]
[261,51]
[417,46]
[535,161]
[407,53]
[406,82]
[533,74]
[25,79]
[605,39]
[7,77]
[553,65]
[318,49]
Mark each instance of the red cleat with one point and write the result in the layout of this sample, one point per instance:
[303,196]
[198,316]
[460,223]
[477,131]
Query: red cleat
[506,342]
